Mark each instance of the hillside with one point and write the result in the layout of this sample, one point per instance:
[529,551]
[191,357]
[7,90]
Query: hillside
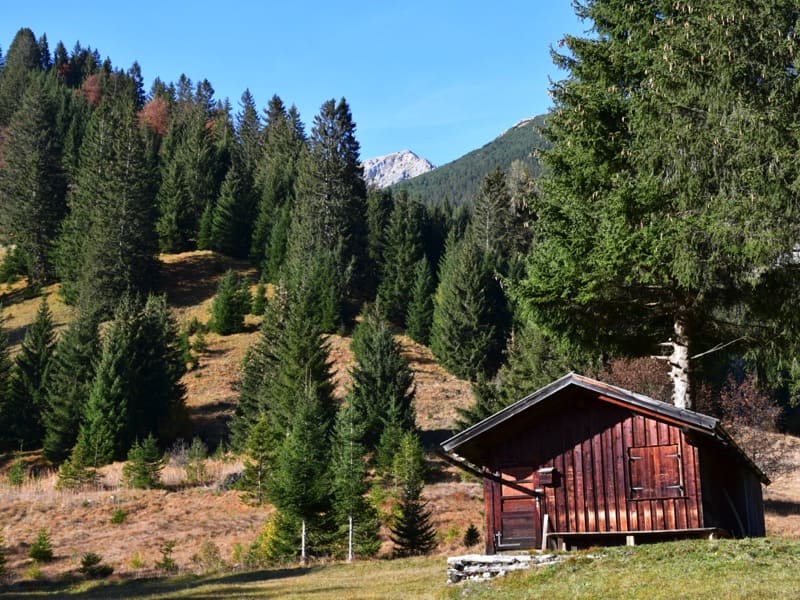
[196,514]
[458,181]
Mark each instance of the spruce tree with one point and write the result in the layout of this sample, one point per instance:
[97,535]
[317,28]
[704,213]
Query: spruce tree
[274,183]
[299,484]
[403,250]
[491,223]
[69,382]
[27,392]
[668,211]
[379,209]
[328,231]
[259,370]
[413,533]
[32,185]
[21,60]
[231,304]
[382,391]
[420,309]
[355,517]
[467,333]
[108,245]
[230,219]
[7,412]
[144,466]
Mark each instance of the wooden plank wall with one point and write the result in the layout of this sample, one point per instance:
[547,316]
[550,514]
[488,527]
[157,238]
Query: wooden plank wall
[588,448]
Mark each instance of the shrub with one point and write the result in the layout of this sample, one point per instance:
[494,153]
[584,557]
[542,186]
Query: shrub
[196,462]
[208,559]
[167,564]
[41,550]
[118,517]
[144,466]
[16,473]
[472,536]
[91,566]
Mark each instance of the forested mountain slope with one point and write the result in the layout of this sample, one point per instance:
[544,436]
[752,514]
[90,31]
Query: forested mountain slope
[458,181]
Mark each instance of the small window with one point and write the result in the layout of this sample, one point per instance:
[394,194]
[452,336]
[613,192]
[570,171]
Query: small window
[655,472]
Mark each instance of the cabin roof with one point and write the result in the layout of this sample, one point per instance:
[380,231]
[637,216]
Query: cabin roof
[639,403]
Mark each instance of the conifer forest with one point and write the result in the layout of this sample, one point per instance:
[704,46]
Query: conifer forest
[653,244]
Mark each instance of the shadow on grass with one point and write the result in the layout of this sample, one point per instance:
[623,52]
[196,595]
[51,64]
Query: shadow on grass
[157,586]
[782,507]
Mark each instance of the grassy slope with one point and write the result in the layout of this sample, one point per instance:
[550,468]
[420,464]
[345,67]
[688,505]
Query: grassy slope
[191,515]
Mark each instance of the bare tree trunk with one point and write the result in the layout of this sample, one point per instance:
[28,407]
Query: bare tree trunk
[679,364]
[303,544]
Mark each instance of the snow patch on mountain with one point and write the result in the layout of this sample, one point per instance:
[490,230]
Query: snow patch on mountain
[383,171]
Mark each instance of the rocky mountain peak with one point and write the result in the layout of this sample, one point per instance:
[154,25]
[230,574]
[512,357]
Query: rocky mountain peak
[383,171]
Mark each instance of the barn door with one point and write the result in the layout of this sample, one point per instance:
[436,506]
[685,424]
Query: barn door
[517,519]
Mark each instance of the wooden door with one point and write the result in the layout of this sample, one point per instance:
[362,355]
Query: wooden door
[517,519]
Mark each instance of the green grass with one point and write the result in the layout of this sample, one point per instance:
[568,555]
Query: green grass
[722,570]
[379,579]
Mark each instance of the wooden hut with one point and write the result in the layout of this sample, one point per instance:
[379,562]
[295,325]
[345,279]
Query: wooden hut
[580,462]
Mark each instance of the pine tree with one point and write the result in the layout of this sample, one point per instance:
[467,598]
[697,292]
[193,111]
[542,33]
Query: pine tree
[69,382]
[32,186]
[403,250]
[103,431]
[382,391]
[420,309]
[249,137]
[231,304]
[259,300]
[144,466]
[188,169]
[27,392]
[229,221]
[379,209]
[467,333]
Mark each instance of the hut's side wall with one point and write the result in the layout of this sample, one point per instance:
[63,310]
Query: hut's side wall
[588,446]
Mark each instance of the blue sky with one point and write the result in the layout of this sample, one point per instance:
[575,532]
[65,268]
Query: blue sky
[439,78]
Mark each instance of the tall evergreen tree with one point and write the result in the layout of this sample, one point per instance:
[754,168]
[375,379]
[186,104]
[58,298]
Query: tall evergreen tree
[136,389]
[27,393]
[299,485]
[403,250]
[32,186]
[108,244]
[7,414]
[491,222]
[69,383]
[230,224]
[259,369]
[420,309]
[668,207]
[379,208]
[467,333]
[356,518]
[189,170]
[22,59]
[382,391]
[328,223]
[275,177]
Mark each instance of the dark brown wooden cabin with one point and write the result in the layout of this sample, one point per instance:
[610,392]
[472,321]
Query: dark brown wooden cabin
[581,462]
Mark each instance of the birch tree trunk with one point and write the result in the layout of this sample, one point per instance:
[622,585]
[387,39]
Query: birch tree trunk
[679,364]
